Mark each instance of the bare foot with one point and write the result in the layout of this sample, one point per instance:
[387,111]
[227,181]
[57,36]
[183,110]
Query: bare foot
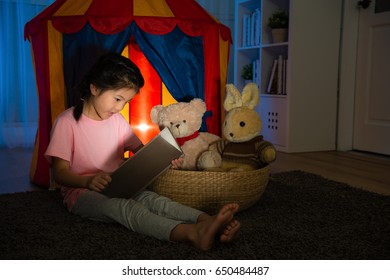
[230,232]
[206,230]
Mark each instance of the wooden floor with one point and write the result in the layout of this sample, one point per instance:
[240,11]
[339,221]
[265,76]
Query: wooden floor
[366,171]
[361,170]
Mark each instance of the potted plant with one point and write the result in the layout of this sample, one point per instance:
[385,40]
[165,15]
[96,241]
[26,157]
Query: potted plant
[247,73]
[278,22]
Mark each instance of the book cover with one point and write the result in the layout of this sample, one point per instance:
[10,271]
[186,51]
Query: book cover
[140,170]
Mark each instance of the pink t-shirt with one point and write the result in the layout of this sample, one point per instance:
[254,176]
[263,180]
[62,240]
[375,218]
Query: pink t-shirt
[90,146]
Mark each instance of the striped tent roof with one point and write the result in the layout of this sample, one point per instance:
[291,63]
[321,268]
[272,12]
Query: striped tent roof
[108,17]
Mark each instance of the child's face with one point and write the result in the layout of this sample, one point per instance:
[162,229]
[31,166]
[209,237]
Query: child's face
[102,106]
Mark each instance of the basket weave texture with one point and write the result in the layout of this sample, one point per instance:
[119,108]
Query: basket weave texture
[209,191]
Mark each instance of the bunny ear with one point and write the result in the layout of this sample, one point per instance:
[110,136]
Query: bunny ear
[233,98]
[250,95]
[155,112]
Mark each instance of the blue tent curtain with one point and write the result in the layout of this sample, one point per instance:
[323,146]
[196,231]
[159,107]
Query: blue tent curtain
[177,57]
[80,52]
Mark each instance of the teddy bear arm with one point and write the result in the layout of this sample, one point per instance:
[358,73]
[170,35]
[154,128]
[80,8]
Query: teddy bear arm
[212,158]
[209,160]
[192,149]
[212,146]
[209,137]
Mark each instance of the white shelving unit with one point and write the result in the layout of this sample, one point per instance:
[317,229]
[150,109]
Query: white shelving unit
[304,118]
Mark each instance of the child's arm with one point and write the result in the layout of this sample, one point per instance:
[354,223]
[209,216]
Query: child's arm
[65,177]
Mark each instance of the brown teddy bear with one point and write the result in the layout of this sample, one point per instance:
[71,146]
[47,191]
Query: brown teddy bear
[184,119]
[243,148]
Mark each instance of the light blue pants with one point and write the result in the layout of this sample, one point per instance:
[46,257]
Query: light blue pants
[147,213]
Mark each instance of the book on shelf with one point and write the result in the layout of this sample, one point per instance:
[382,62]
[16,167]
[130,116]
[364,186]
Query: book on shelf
[280,75]
[284,76]
[245,30]
[272,78]
[141,169]
[251,29]
[256,71]
[277,78]
[258,28]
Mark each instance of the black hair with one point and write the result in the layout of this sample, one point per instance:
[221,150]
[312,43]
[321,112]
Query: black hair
[112,71]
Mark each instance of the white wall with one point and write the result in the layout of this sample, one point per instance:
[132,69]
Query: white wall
[348,52]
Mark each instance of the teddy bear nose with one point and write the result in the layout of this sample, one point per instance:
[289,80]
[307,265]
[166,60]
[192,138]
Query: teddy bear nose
[177,126]
[231,134]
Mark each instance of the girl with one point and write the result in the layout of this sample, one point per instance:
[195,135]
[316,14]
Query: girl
[87,144]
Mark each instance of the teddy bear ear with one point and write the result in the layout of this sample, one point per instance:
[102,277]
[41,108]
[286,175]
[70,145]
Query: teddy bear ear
[233,98]
[250,95]
[199,105]
[155,112]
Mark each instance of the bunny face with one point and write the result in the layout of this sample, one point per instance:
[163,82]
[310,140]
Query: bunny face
[241,125]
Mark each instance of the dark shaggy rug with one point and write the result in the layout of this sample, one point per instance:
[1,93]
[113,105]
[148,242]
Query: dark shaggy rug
[300,216]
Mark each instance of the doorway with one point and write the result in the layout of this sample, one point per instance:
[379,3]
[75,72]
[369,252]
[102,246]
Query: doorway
[372,85]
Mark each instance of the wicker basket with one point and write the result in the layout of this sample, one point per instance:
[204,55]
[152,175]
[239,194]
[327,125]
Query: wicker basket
[209,191]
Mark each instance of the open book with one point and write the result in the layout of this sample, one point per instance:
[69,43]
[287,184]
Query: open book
[140,170]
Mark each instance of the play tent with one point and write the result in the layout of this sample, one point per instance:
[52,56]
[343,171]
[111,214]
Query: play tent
[181,50]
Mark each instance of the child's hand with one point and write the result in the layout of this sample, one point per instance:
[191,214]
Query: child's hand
[98,182]
[177,163]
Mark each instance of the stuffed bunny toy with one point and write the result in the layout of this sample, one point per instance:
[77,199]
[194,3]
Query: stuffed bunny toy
[243,147]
